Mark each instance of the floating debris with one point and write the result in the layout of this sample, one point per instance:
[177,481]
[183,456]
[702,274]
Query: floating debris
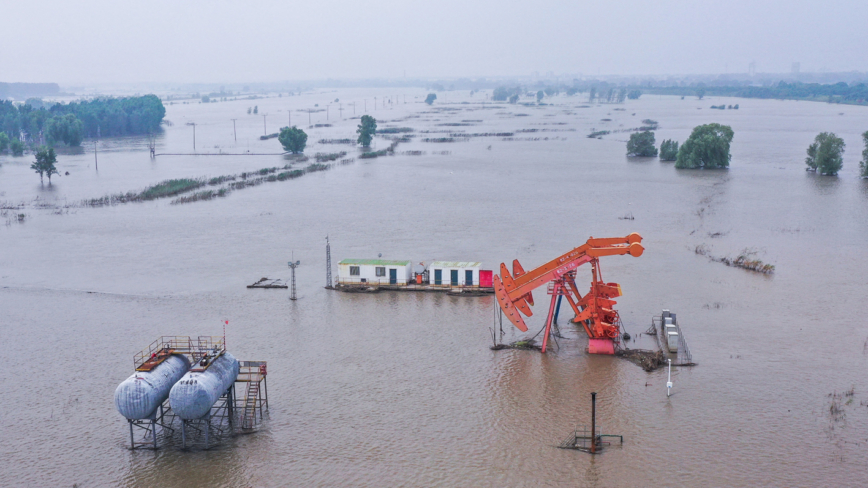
[646,359]
[268,283]
[744,260]
[527,344]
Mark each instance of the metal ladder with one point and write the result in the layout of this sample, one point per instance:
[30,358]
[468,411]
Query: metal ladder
[250,403]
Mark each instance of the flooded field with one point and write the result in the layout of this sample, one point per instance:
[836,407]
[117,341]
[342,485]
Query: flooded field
[401,389]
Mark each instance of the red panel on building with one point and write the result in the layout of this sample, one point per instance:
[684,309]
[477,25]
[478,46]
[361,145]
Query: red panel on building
[485,278]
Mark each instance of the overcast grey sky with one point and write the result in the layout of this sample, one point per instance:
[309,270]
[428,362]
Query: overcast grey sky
[97,41]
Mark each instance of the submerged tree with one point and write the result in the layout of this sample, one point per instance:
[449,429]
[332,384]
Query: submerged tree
[17,147]
[292,139]
[641,144]
[539,96]
[4,141]
[825,155]
[44,164]
[64,128]
[500,94]
[863,165]
[367,130]
[668,150]
[707,147]
[430,98]
[634,94]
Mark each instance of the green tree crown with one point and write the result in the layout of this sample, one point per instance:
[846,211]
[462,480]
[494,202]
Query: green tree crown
[367,130]
[44,164]
[863,165]
[668,150]
[292,139]
[641,144]
[4,141]
[707,147]
[17,147]
[64,128]
[430,98]
[825,155]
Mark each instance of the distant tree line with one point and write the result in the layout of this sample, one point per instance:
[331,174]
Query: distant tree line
[23,90]
[605,91]
[72,122]
[835,93]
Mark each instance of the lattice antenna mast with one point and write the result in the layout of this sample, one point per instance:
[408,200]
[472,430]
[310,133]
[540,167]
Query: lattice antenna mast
[292,266]
[328,265]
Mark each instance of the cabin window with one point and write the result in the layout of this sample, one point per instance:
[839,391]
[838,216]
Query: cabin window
[381,271]
[354,271]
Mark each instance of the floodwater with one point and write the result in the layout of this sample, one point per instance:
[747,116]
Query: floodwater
[401,389]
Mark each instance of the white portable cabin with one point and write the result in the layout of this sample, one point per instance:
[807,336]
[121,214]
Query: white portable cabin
[374,271]
[672,341]
[453,273]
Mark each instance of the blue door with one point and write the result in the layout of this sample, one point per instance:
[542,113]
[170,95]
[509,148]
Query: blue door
[438,276]
[468,278]
[454,276]
[393,276]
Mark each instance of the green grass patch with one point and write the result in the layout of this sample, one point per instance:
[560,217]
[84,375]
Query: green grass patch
[169,188]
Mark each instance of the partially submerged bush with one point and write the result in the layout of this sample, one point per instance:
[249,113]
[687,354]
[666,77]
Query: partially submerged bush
[825,155]
[707,147]
[668,150]
[641,144]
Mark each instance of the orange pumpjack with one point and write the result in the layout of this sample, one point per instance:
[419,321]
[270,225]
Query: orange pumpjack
[594,310]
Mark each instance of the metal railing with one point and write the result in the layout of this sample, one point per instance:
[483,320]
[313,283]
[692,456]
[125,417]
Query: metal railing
[186,345]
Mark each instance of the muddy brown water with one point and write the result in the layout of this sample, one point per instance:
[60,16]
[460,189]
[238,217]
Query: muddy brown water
[401,389]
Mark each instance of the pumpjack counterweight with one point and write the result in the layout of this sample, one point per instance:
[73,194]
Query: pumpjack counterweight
[594,310]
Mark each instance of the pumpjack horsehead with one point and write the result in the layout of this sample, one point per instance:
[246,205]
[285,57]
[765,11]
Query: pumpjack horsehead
[593,310]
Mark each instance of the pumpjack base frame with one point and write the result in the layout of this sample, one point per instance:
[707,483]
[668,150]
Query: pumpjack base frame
[601,346]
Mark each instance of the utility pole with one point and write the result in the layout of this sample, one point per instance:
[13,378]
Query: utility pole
[341,109]
[308,116]
[329,285]
[264,129]
[194,136]
[95,162]
[593,422]
[233,130]
[289,113]
[292,266]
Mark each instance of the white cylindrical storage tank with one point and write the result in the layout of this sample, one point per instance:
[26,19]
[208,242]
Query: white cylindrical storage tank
[139,395]
[192,397]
